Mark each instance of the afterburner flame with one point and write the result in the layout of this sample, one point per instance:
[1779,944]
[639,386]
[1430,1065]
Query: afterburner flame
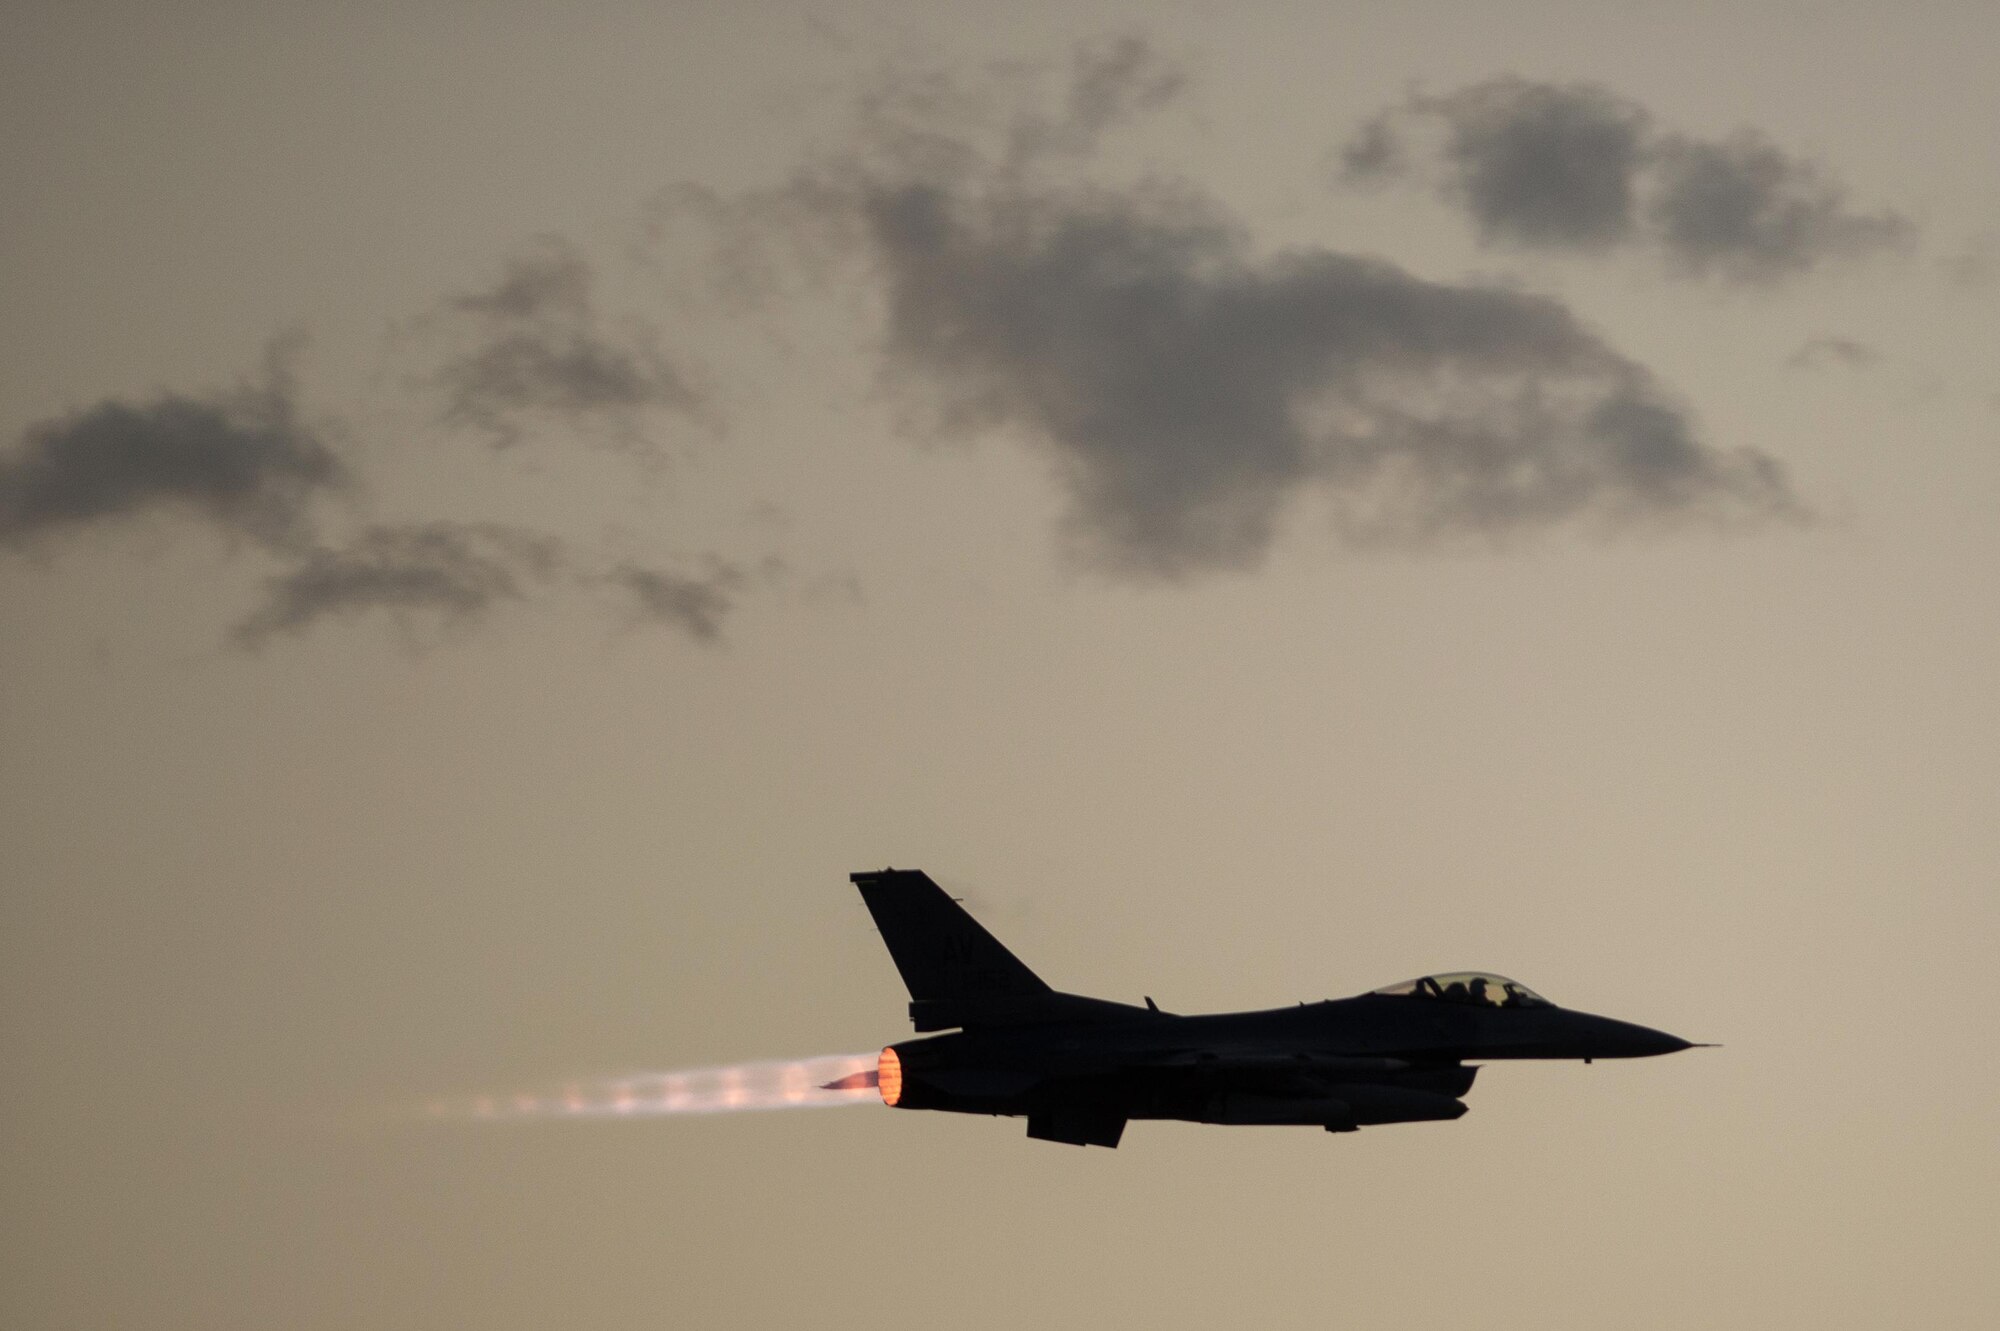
[889,1076]
[800,1083]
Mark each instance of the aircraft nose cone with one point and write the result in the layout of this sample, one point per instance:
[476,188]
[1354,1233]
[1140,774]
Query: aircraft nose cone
[1659,1042]
[1644,1042]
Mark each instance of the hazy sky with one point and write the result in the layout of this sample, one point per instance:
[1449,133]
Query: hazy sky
[502,507]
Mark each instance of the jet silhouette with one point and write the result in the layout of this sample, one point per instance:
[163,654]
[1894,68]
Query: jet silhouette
[1080,1068]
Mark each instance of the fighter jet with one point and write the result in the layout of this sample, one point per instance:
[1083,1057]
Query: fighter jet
[1078,1069]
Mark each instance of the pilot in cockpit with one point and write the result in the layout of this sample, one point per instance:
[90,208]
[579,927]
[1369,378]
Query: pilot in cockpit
[1468,987]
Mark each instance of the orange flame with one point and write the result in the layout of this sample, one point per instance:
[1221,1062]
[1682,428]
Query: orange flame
[889,1076]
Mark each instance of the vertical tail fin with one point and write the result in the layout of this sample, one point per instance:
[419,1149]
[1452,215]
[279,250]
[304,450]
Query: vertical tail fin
[956,972]
[941,951]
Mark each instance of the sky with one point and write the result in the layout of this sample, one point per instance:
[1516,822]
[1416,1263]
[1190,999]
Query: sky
[503,507]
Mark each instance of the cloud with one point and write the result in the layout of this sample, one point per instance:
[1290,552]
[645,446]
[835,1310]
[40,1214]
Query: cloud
[750,246]
[1543,165]
[1112,82]
[1578,167]
[1818,351]
[451,575]
[1190,391]
[243,461]
[452,572]
[1375,153]
[693,605]
[532,351]
[1745,211]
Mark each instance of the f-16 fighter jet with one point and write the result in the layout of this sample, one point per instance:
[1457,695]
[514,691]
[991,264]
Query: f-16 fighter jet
[1078,1069]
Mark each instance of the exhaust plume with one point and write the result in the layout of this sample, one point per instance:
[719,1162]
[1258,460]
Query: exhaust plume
[801,1083]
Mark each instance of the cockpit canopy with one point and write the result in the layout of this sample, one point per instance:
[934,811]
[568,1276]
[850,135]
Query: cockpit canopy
[1468,987]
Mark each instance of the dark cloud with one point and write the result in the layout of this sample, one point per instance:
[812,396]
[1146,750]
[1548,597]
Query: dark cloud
[448,571]
[1578,167]
[1818,351]
[1745,211]
[1190,391]
[533,351]
[246,462]
[1540,164]
[242,460]
[693,605]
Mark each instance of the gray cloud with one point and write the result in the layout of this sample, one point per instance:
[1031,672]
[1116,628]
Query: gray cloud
[241,460]
[245,462]
[1374,153]
[448,571]
[533,351]
[693,605]
[1543,165]
[752,245]
[1190,391]
[1745,211]
[450,575]
[1578,167]
[1111,83]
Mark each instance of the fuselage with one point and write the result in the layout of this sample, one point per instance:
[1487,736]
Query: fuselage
[1372,1058]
